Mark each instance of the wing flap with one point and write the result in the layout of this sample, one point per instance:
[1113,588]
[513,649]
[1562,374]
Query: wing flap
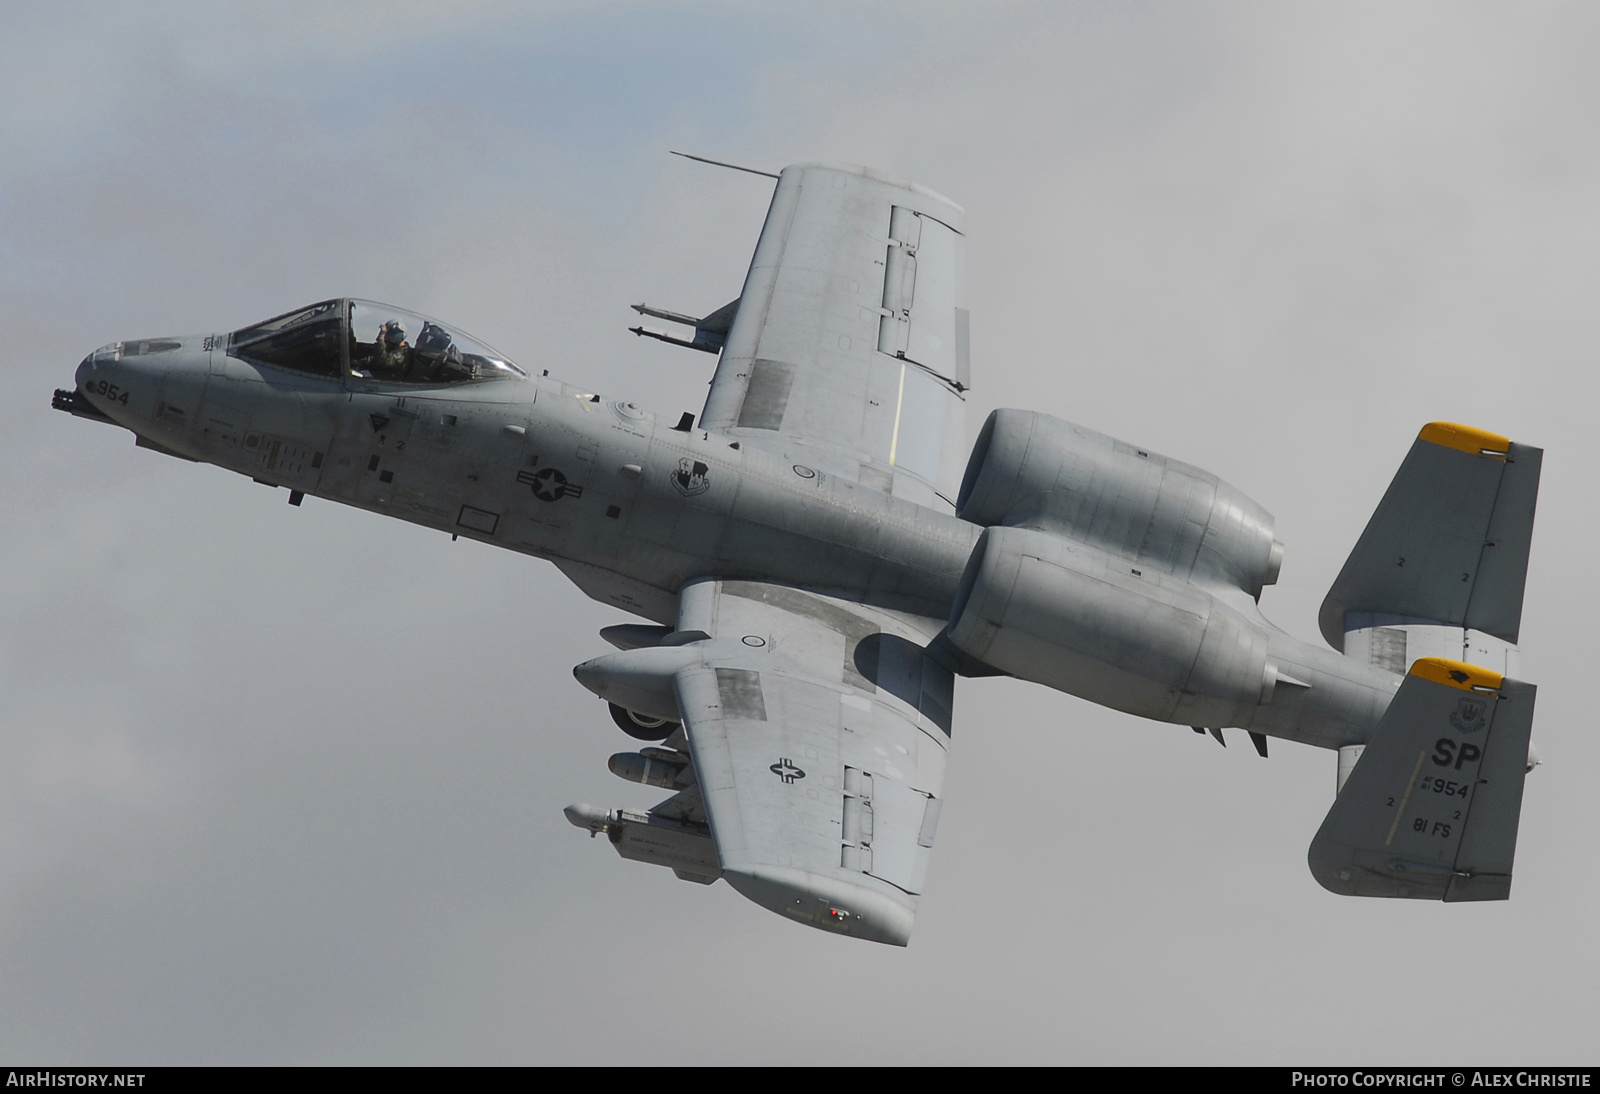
[898,811]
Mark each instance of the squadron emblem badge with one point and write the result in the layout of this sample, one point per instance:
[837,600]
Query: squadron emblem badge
[691,478]
[1468,716]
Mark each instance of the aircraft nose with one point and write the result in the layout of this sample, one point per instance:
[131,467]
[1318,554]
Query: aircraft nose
[88,368]
[135,383]
[108,381]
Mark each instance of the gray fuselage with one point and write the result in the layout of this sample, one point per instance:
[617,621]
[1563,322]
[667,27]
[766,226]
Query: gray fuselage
[626,506]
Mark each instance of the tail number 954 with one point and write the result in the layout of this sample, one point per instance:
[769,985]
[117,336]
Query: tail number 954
[110,391]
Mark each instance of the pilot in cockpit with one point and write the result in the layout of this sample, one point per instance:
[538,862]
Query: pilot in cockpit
[390,354]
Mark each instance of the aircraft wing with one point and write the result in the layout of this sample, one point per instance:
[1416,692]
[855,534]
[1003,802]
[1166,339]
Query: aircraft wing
[848,348]
[819,730]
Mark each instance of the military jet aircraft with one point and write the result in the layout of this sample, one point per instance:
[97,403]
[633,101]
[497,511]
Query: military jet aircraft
[818,557]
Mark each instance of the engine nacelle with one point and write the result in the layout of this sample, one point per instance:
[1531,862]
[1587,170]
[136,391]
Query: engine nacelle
[1030,470]
[1094,625]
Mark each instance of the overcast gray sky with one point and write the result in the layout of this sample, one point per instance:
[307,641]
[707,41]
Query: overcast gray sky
[285,785]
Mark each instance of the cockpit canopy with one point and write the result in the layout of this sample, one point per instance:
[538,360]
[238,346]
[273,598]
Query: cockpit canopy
[370,342]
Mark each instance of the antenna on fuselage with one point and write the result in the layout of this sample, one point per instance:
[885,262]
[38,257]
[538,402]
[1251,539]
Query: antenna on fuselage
[720,163]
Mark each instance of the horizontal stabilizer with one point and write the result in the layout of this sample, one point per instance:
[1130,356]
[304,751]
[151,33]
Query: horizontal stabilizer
[1430,811]
[1449,542]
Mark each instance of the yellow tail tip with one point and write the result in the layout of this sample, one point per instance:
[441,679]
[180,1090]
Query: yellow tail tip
[1465,438]
[1456,674]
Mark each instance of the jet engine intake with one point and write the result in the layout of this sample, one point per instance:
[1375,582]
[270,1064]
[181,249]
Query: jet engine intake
[1030,470]
[1091,624]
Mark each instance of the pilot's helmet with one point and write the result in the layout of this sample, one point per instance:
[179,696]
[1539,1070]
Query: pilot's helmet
[393,333]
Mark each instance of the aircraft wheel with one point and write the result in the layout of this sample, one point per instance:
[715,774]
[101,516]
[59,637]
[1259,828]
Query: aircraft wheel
[642,727]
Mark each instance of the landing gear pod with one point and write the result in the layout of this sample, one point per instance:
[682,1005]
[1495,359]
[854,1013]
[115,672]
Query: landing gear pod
[639,680]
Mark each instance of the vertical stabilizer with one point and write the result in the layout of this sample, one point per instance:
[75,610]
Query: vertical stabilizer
[1447,547]
[1430,811]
